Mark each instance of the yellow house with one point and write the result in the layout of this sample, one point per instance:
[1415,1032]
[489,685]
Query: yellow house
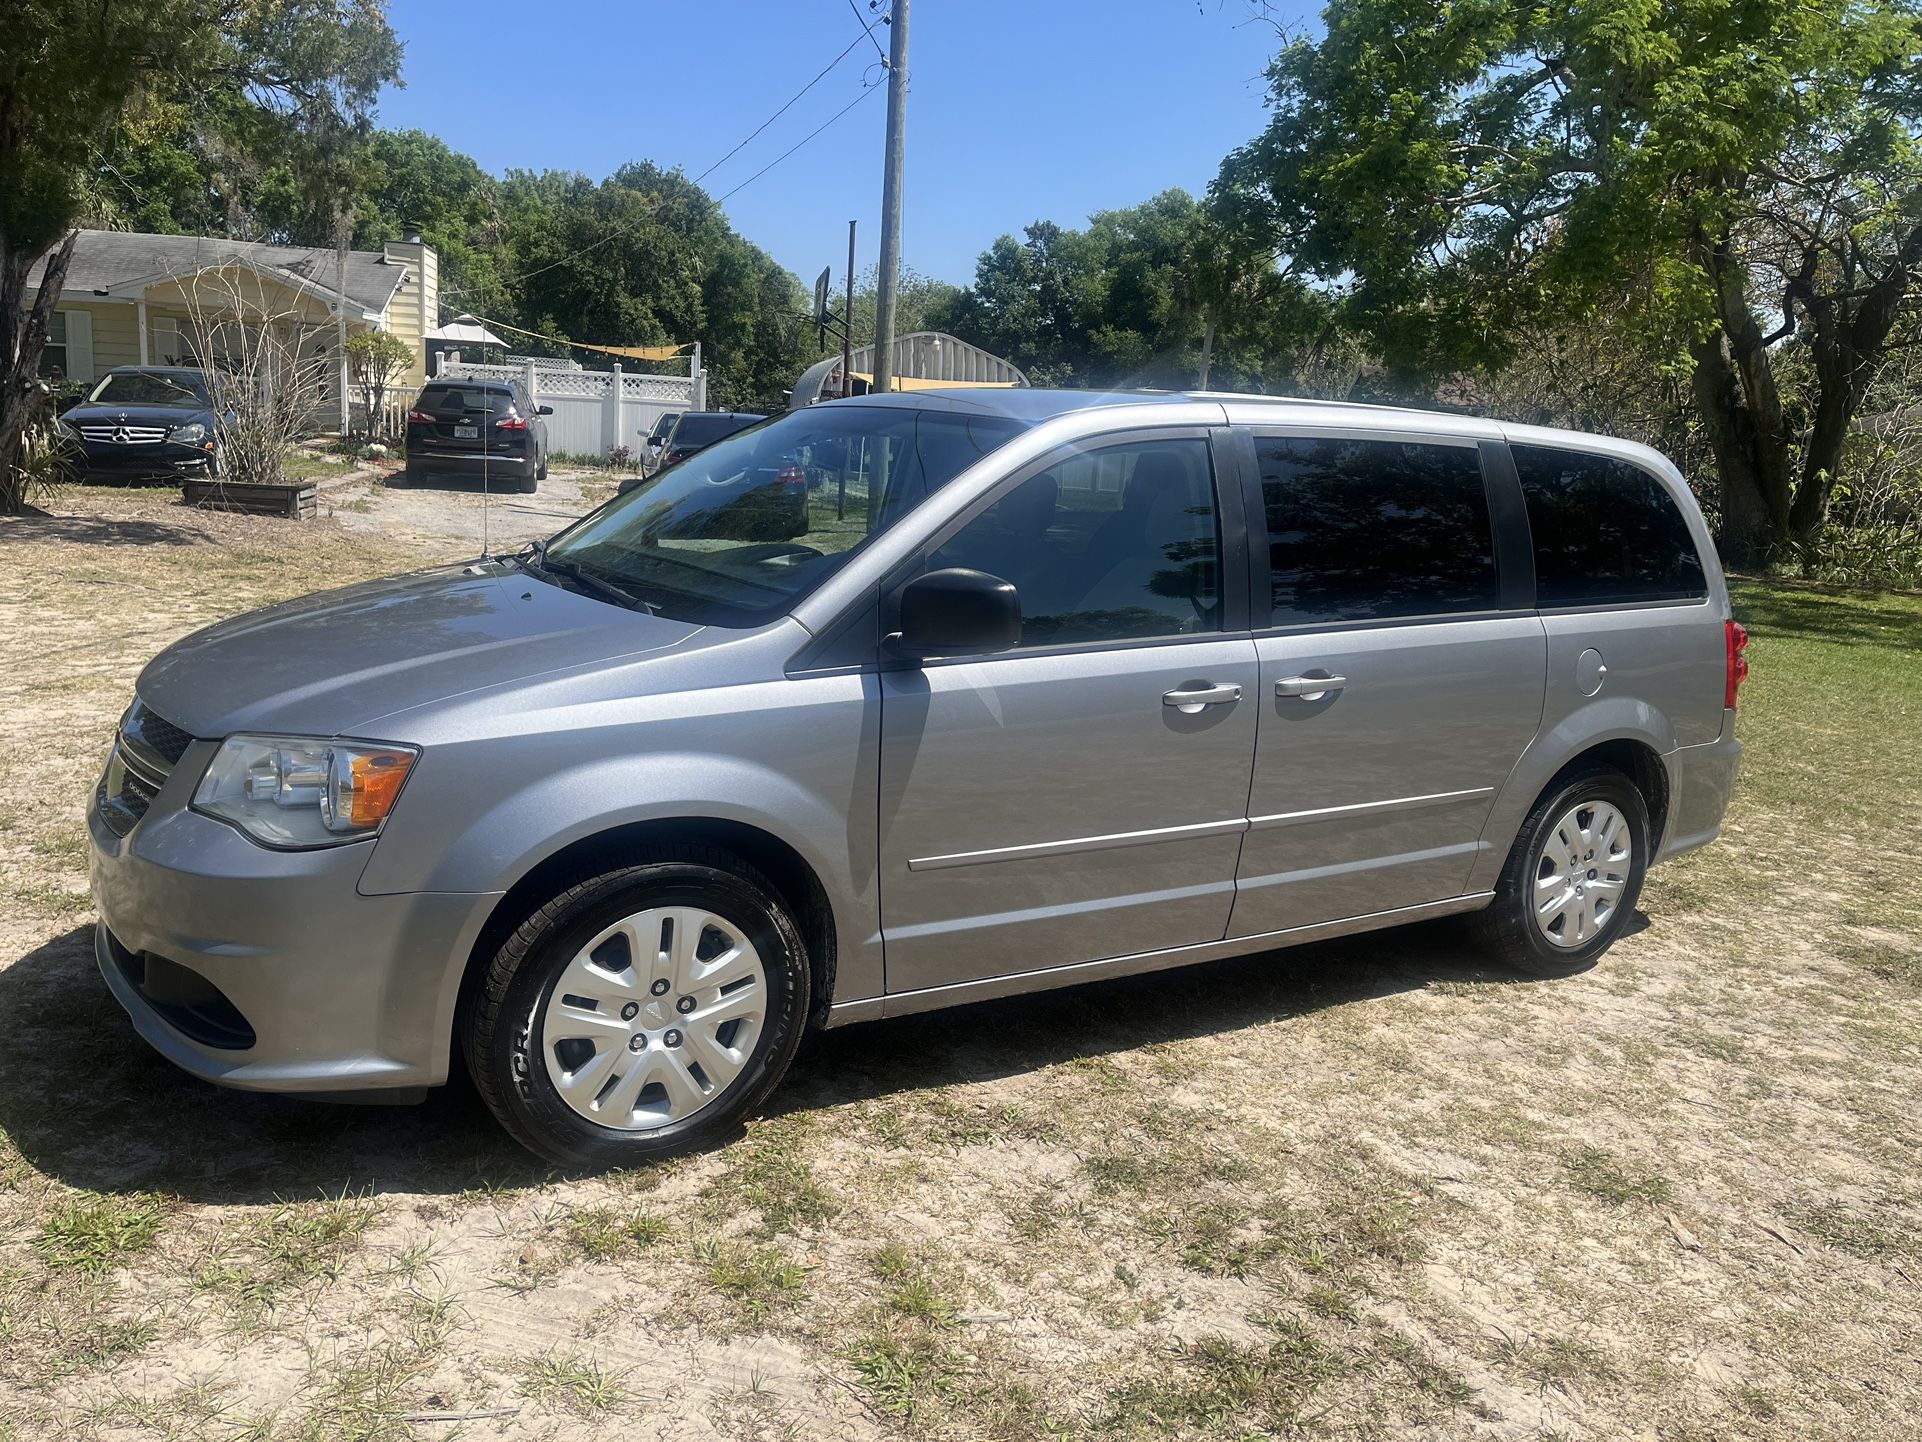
[133,299]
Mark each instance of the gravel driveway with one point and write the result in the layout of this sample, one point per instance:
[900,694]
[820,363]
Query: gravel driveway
[456,510]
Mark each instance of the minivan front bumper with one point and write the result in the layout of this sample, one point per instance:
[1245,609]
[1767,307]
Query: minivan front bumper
[267,970]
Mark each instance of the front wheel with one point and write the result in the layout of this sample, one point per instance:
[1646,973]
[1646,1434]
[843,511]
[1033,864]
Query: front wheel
[642,1012]
[1572,877]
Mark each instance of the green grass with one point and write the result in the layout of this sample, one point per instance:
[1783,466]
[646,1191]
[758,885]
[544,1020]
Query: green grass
[98,1233]
[1606,1177]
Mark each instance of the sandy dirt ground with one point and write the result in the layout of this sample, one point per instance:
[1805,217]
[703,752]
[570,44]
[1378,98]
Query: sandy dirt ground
[1366,1189]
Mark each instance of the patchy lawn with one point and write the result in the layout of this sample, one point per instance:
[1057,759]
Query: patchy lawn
[1364,1189]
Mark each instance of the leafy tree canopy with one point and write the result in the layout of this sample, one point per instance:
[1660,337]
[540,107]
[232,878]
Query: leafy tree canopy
[1748,172]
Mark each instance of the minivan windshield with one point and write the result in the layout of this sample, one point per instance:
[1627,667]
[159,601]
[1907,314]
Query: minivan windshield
[739,532]
[151,388]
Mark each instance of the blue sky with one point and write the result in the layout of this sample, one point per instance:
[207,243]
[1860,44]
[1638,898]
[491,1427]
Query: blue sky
[1050,109]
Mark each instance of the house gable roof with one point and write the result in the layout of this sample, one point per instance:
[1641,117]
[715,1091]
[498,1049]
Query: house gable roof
[115,260]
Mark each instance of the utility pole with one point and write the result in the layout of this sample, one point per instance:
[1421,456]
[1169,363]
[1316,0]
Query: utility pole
[847,329]
[340,322]
[891,196]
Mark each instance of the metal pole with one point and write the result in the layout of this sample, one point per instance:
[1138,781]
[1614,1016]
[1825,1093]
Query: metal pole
[892,163]
[847,330]
[340,320]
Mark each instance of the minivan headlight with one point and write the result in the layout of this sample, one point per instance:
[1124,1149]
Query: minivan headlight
[298,791]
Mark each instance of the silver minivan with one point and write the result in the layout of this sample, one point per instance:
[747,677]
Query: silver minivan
[902,702]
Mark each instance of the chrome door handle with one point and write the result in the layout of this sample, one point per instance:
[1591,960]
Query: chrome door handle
[1309,688]
[1193,701]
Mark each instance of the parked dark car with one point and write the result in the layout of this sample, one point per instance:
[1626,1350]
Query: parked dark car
[656,438]
[145,421]
[467,428]
[693,432]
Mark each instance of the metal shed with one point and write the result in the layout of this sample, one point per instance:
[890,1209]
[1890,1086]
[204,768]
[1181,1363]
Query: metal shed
[923,360]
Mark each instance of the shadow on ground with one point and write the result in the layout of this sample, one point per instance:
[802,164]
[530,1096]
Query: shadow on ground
[36,526]
[1818,613]
[88,1103]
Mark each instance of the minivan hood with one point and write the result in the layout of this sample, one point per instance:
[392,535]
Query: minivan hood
[332,664]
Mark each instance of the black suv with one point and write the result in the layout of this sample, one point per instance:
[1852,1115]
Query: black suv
[468,428]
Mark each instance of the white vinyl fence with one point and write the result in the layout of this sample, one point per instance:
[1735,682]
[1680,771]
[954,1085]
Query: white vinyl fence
[595,411]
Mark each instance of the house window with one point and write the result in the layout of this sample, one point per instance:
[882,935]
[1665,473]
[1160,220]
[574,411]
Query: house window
[54,364]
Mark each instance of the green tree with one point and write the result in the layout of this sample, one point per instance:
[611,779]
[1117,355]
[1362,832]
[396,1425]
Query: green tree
[73,79]
[1126,303]
[1748,173]
[376,358]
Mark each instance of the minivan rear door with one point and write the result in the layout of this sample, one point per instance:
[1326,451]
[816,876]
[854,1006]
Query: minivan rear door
[1402,671]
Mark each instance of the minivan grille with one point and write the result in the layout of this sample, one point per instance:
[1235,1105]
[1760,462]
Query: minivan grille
[145,752]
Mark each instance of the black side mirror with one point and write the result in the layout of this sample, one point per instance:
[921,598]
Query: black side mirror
[957,612]
[543,410]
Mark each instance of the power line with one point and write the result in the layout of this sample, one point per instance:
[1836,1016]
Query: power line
[803,141]
[785,108]
[868,30]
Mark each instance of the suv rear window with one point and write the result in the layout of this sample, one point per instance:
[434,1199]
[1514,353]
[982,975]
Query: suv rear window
[466,398]
[1605,531]
[704,430]
[1361,530]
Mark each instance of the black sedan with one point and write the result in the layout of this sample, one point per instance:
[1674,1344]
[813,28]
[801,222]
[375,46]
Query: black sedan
[145,421]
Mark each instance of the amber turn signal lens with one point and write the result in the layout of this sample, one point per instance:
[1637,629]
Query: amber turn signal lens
[374,780]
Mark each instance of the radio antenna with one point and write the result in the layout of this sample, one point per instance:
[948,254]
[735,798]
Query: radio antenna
[487,439]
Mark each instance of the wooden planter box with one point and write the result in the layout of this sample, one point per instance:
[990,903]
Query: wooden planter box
[294,500]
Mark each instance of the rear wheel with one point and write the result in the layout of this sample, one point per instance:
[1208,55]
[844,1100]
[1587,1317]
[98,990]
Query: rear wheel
[642,1012]
[1572,877]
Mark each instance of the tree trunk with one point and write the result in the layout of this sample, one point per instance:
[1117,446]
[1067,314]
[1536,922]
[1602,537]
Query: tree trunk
[23,336]
[1734,385]
[1848,349]
[1750,458]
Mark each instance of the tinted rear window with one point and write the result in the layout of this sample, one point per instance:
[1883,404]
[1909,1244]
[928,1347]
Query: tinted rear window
[1605,531]
[705,430]
[465,398]
[1359,530]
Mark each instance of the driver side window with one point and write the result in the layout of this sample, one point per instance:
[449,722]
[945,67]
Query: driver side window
[1110,544]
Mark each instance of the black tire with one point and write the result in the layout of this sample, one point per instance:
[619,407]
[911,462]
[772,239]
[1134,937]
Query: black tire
[529,483]
[541,474]
[505,1060]
[1507,929]
[405,476]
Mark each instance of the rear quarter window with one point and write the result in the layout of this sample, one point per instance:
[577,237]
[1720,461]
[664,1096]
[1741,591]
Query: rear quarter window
[1605,531]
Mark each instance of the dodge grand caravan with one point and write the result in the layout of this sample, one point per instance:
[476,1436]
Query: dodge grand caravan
[1044,687]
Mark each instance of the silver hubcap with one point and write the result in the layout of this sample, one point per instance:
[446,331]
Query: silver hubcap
[654,1018]
[1581,873]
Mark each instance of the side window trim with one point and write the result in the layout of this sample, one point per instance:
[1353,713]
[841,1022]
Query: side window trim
[1508,513]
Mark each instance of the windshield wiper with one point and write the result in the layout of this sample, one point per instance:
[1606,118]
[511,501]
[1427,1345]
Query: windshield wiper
[600,585]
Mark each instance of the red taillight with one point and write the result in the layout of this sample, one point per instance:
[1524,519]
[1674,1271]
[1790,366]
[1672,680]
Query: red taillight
[1737,662]
[791,476]
[419,418]
[511,423]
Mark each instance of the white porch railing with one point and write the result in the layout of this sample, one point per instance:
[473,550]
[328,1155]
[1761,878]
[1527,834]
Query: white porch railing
[594,411]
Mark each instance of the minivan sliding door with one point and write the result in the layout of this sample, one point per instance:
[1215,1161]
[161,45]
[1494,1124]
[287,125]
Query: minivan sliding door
[1402,674]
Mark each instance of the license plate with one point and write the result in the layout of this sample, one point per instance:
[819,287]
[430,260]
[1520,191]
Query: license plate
[466,433]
